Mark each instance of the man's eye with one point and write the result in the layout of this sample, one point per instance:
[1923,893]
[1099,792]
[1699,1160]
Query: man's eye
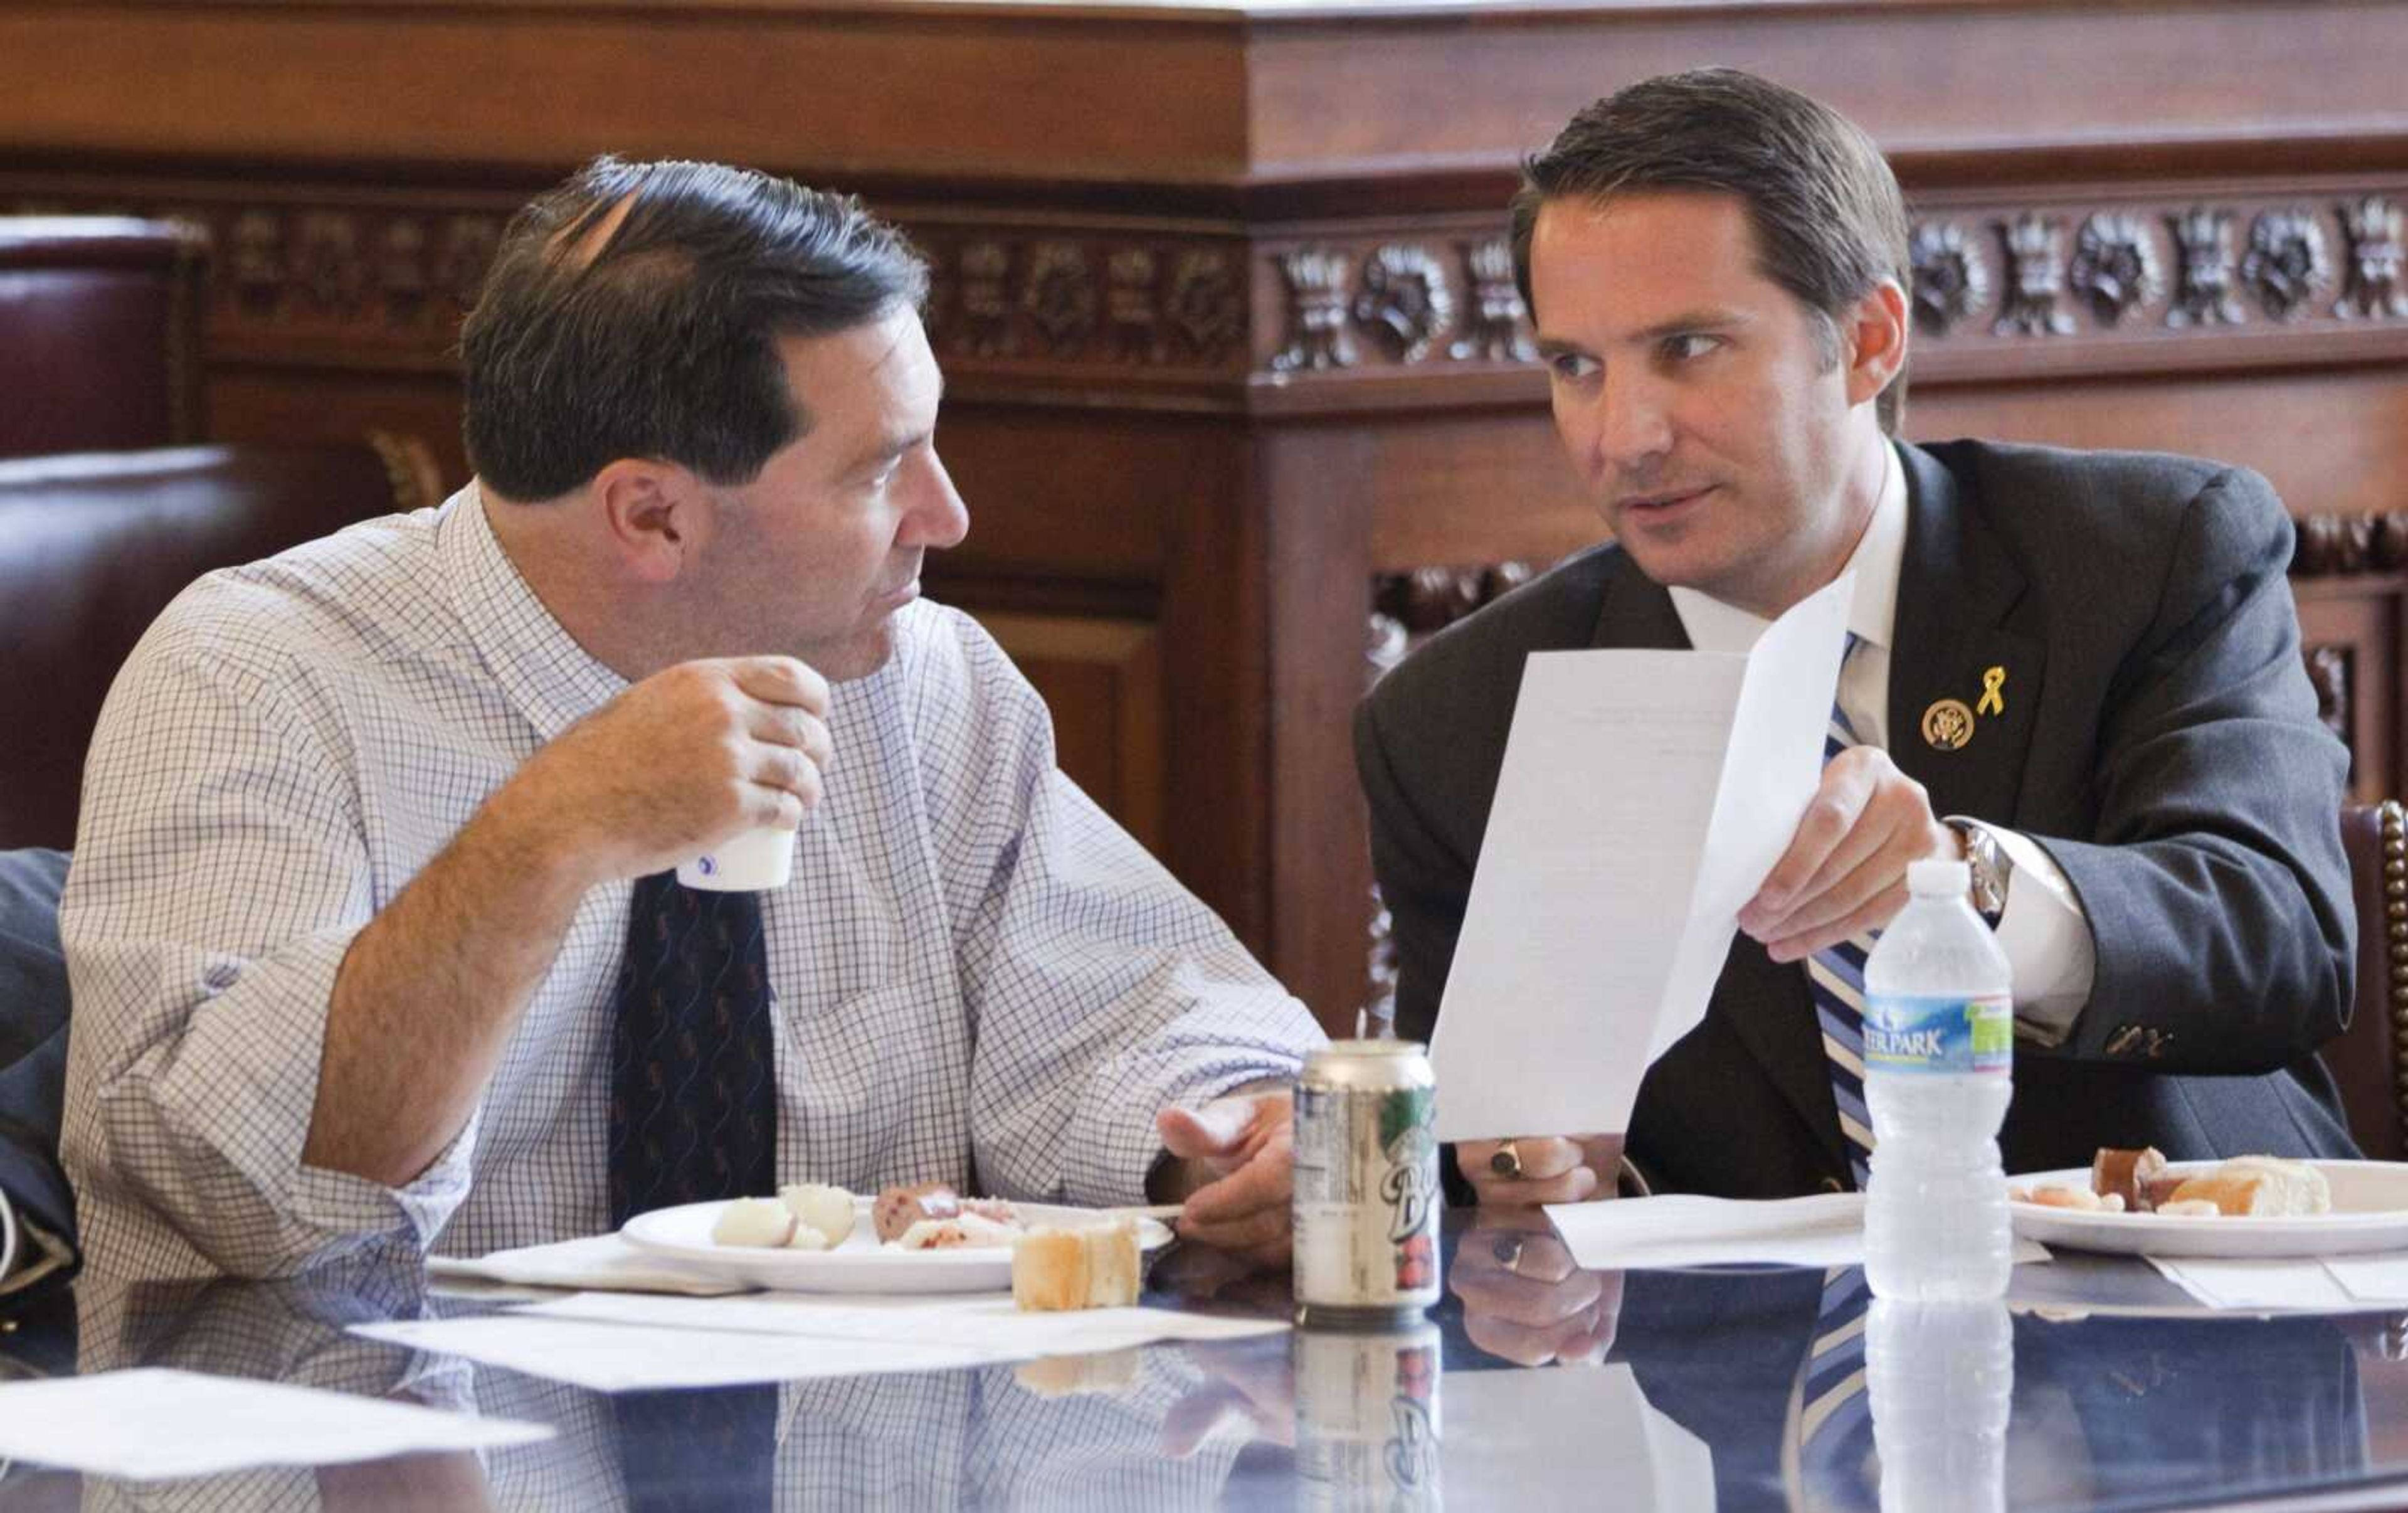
[1572,366]
[1689,345]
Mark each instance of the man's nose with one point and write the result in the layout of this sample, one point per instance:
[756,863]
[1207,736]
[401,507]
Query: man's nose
[1633,421]
[939,518]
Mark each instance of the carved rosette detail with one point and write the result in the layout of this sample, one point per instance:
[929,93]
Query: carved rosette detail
[2115,266]
[1952,279]
[1206,307]
[1130,313]
[1495,325]
[1060,295]
[2372,285]
[985,300]
[255,260]
[401,269]
[2035,279]
[2330,669]
[1316,291]
[328,266]
[466,251]
[2204,271]
[2286,264]
[1404,299]
[2327,545]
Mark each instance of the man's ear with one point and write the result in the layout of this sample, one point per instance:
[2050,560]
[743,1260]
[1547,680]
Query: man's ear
[1874,341]
[652,513]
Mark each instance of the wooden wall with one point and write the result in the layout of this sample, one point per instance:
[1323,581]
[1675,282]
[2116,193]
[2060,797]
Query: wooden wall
[1239,391]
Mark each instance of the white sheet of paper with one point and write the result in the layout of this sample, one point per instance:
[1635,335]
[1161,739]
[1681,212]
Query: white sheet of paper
[2300,1282]
[988,1323]
[152,1423]
[1567,1438]
[620,1358]
[2376,1278]
[1643,797]
[595,1261]
[1684,1229]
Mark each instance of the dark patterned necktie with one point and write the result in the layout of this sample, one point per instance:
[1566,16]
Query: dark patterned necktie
[693,1087]
[1835,980]
[694,1117]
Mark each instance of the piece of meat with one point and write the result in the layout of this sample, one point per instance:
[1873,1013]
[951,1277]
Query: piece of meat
[2126,1173]
[898,1208]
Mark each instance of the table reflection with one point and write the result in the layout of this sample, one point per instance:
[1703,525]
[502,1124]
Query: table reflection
[1536,1383]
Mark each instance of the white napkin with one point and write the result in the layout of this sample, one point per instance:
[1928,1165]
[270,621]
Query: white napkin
[2331,1285]
[985,1320]
[598,1260]
[1684,1229]
[619,1358]
[615,1342]
[155,1423]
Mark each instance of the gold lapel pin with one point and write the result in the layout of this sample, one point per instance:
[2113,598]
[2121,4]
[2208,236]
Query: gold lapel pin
[1947,725]
[1993,680]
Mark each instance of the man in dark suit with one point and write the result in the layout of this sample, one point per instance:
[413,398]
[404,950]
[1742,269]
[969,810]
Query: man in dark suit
[2080,672]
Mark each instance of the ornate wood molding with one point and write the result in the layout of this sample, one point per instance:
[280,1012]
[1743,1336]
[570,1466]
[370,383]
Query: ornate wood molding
[315,273]
[2332,545]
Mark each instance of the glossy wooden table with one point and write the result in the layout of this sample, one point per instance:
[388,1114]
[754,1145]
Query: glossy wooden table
[1535,1385]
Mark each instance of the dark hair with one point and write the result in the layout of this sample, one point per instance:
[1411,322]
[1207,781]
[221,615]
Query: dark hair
[660,339]
[1829,221]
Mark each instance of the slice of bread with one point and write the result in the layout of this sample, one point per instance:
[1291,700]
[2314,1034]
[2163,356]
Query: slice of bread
[2260,1187]
[1092,1267]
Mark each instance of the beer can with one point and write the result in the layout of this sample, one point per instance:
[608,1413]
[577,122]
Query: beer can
[1366,1418]
[1367,1193]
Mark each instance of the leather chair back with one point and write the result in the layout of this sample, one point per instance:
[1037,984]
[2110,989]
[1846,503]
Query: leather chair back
[92,547]
[100,332]
[2366,1061]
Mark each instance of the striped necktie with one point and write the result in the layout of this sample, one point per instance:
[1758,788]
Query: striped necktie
[1835,979]
[1831,1432]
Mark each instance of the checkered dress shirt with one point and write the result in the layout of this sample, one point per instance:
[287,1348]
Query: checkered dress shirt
[978,975]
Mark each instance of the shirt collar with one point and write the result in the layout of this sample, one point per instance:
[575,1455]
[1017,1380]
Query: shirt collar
[554,680]
[1716,626]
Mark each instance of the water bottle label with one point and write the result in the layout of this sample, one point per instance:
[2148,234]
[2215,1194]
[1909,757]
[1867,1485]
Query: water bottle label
[1940,1035]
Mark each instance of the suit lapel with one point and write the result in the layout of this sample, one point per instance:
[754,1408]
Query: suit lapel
[1956,586]
[1764,1001]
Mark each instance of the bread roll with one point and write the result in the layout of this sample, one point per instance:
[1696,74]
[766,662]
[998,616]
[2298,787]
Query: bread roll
[2299,1189]
[761,1223]
[1096,1267]
[2233,1196]
[829,1210]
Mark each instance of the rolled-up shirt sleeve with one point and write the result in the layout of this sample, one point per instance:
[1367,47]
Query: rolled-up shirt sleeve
[1101,990]
[220,876]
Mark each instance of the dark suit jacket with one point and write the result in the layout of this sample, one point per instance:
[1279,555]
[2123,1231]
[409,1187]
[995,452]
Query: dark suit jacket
[2160,738]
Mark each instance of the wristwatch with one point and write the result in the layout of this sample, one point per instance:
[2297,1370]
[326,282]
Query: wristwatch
[1988,863]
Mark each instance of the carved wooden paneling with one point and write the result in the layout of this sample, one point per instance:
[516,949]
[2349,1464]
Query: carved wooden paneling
[1102,679]
[2351,629]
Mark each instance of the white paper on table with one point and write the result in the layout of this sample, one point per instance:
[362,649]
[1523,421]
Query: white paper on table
[1643,797]
[2373,1279]
[619,1358]
[603,1260]
[1583,1433]
[1683,1230]
[151,1423]
[985,1322]
[2278,1284]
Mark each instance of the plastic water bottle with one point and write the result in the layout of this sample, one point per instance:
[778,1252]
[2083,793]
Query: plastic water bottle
[1940,1379]
[1939,1042]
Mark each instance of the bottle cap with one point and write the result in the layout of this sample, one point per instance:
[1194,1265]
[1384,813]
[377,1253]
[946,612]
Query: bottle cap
[1939,878]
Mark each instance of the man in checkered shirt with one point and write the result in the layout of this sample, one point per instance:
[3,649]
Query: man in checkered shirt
[361,822]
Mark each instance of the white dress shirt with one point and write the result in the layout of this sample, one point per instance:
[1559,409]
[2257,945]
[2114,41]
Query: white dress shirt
[2043,931]
[977,975]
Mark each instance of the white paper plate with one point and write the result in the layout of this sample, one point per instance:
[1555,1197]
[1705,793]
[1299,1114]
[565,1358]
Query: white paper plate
[860,1264]
[2370,1204]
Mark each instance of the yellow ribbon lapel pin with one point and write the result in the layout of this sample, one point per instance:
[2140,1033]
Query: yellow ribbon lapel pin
[1948,724]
